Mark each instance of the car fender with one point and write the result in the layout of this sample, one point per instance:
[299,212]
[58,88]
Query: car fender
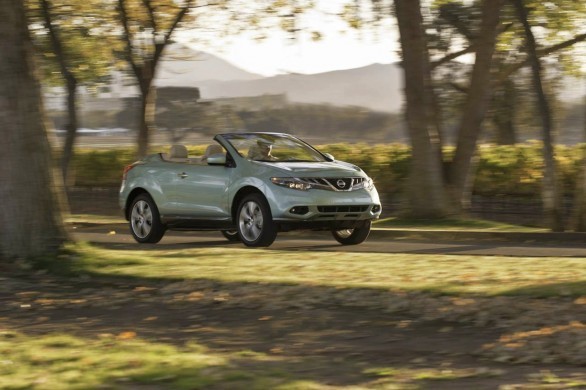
[259,184]
[150,185]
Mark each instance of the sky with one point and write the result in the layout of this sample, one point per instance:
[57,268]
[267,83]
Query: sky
[277,56]
[340,47]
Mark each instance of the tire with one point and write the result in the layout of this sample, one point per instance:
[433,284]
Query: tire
[144,220]
[231,235]
[353,236]
[254,221]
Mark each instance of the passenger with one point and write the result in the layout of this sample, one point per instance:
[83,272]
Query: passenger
[261,151]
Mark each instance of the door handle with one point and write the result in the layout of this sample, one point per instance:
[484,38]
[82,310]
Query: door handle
[182,175]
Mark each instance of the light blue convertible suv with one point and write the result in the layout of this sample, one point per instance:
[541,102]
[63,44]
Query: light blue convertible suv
[250,186]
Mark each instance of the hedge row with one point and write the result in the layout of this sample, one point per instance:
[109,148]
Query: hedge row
[501,170]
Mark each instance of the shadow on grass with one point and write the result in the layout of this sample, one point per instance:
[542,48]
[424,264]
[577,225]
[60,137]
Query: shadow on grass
[269,334]
[570,289]
[274,334]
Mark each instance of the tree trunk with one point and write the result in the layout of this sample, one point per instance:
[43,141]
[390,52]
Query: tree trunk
[31,224]
[426,189]
[504,107]
[144,68]
[552,197]
[580,195]
[461,172]
[71,84]
[71,135]
[146,115]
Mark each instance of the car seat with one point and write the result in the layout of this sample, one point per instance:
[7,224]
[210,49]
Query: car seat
[178,153]
[211,150]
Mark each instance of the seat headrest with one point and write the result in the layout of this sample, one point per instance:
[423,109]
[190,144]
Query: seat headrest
[213,149]
[178,151]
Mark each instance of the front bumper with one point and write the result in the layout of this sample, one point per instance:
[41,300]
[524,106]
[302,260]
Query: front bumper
[315,205]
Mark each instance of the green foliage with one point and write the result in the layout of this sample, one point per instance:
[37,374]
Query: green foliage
[100,167]
[509,170]
[502,170]
[387,164]
[85,31]
[517,170]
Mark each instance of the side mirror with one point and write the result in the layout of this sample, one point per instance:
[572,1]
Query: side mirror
[217,159]
[329,157]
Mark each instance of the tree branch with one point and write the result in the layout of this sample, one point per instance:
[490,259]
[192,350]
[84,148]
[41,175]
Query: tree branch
[151,10]
[452,56]
[56,42]
[540,53]
[160,46]
[128,46]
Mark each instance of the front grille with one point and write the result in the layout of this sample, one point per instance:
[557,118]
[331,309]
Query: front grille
[335,183]
[342,209]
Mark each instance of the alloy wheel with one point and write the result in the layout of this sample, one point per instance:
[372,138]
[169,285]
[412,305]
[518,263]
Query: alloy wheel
[250,221]
[141,219]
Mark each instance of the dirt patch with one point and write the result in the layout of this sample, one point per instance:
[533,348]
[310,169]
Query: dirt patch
[331,336]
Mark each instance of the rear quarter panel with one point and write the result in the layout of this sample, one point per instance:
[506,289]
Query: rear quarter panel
[148,177]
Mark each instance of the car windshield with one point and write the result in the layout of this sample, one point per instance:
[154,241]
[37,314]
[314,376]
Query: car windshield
[273,147]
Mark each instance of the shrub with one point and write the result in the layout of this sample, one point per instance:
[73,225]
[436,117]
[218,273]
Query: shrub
[501,170]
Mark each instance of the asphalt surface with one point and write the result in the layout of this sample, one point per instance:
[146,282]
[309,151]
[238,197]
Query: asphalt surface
[380,241]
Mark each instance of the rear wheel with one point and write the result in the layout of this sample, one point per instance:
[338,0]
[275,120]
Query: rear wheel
[255,222]
[353,236]
[231,235]
[145,223]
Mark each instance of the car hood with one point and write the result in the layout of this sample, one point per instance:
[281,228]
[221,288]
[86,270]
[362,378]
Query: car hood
[315,169]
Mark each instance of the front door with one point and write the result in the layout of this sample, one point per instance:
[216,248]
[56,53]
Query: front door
[201,191]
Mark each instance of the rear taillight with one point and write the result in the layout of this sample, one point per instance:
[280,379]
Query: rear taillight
[126,170]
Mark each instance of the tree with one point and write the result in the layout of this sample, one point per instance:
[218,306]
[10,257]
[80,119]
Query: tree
[551,189]
[580,214]
[427,194]
[70,83]
[148,27]
[30,217]
[461,173]
[71,41]
[479,23]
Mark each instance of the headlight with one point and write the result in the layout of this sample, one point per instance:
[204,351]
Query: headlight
[289,182]
[367,183]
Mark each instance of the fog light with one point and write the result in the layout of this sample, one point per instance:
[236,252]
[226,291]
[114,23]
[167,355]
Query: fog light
[299,210]
[376,208]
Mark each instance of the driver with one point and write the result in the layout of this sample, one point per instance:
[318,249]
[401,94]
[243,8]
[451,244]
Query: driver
[261,151]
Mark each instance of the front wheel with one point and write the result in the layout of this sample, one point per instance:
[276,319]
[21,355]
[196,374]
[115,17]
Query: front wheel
[255,222]
[145,224]
[353,236]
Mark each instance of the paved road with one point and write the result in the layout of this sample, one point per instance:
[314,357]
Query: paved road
[117,236]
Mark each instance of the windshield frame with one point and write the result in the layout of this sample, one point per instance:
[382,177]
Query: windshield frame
[283,147]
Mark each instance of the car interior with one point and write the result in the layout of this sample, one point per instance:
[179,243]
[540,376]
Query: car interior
[179,153]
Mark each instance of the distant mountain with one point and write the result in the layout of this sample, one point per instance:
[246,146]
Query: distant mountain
[377,87]
[183,67]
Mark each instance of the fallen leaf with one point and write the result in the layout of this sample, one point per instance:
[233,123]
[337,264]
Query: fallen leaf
[141,289]
[126,335]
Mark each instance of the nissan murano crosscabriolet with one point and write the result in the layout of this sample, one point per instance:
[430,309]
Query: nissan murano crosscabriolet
[249,186]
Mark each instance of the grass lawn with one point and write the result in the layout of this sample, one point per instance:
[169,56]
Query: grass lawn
[123,359]
[441,274]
